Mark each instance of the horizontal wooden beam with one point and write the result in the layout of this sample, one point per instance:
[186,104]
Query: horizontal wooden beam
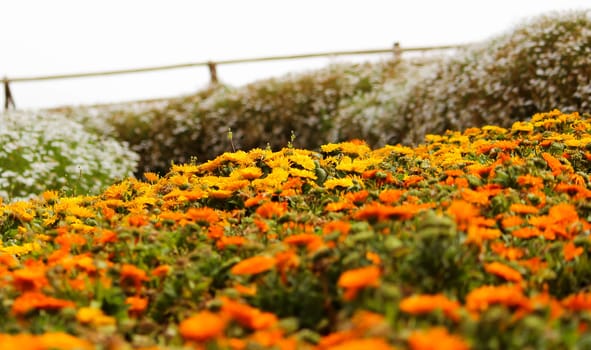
[222,62]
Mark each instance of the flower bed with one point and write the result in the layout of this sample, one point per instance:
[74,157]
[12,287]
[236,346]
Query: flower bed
[472,240]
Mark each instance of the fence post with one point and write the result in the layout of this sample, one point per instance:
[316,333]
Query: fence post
[8,100]
[397,50]
[213,74]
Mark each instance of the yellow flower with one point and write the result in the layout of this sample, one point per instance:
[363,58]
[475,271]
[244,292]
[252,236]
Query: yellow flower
[21,249]
[354,165]
[302,160]
[81,212]
[522,126]
[249,173]
[302,173]
[94,316]
[333,183]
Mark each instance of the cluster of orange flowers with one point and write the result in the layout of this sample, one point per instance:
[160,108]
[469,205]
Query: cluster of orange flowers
[254,221]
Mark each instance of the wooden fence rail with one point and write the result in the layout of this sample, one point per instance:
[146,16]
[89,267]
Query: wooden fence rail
[396,50]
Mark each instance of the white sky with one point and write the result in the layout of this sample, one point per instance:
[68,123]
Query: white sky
[40,37]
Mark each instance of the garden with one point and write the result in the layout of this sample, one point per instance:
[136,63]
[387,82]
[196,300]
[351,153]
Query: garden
[434,205]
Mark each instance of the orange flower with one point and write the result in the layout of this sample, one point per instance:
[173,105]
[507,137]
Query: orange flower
[247,315]
[436,339]
[362,344]
[285,261]
[203,215]
[134,275]
[30,278]
[571,251]
[390,196]
[161,271]
[357,197]
[138,220]
[526,232]
[151,177]
[533,264]
[106,236]
[577,302]
[254,265]
[503,271]
[380,212]
[246,290]
[8,260]
[503,145]
[412,180]
[425,303]
[481,298]
[202,327]
[553,163]
[63,341]
[251,202]
[334,339]
[333,226]
[519,208]
[270,210]
[477,234]
[338,206]
[374,258]
[530,180]
[463,212]
[509,253]
[35,300]
[225,241]
[136,304]
[511,221]
[310,240]
[353,280]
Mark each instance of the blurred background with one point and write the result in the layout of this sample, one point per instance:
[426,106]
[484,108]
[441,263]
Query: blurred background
[62,36]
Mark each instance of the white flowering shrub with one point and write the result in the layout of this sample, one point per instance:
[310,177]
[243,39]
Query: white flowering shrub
[47,151]
[543,64]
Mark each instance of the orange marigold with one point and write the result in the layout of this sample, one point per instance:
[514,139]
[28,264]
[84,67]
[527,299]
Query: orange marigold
[436,339]
[136,304]
[481,298]
[463,212]
[390,196]
[310,240]
[571,251]
[202,327]
[203,215]
[519,208]
[355,279]
[30,278]
[63,341]
[132,274]
[35,300]
[161,270]
[425,303]
[577,302]
[362,344]
[247,315]
[553,163]
[503,271]
[509,253]
[270,210]
[526,232]
[254,265]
